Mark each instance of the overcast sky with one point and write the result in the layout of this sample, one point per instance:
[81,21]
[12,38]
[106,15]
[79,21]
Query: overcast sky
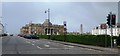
[90,14]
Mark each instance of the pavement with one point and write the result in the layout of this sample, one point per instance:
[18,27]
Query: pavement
[20,45]
[88,46]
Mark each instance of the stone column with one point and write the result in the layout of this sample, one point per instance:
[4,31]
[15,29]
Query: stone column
[47,30]
[50,31]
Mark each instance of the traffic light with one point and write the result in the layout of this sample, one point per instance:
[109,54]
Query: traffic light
[108,19]
[113,19]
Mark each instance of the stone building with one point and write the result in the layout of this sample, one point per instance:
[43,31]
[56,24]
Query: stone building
[1,28]
[47,28]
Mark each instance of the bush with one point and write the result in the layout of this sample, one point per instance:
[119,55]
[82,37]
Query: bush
[99,40]
[118,41]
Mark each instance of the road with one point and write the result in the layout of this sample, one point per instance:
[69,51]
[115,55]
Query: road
[20,45]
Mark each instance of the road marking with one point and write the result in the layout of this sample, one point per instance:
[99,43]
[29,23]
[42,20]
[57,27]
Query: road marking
[89,49]
[49,42]
[65,45]
[33,44]
[19,52]
[33,41]
[37,40]
[28,42]
[1,37]
[39,47]
[71,46]
[67,48]
[56,48]
[46,45]
[100,51]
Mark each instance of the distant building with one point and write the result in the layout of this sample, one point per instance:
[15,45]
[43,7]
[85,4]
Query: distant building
[47,28]
[119,12]
[1,28]
[103,29]
[81,29]
[73,33]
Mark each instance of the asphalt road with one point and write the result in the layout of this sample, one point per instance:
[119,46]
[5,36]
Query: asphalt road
[20,45]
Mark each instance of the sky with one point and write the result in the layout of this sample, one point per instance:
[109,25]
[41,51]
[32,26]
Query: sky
[90,14]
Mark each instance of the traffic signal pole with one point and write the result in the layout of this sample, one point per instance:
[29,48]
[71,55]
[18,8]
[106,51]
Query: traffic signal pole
[111,29]
[111,21]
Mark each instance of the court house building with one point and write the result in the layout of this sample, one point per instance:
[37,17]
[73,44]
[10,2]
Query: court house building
[47,28]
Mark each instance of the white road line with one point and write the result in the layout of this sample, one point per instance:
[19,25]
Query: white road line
[67,48]
[27,42]
[33,41]
[37,40]
[71,46]
[89,49]
[46,45]
[1,37]
[39,47]
[49,42]
[65,45]
[33,44]
[99,51]
[53,48]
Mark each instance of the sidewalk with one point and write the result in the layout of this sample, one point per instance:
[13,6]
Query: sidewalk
[88,46]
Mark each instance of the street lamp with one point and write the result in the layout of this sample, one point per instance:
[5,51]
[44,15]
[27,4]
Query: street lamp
[48,11]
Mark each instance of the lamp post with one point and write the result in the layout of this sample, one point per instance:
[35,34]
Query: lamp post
[48,11]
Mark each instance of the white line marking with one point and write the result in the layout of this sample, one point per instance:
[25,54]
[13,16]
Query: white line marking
[49,42]
[39,47]
[89,49]
[28,42]
[33,41]
[37,40]
[33,44]
[53,48]
[71,46]
[65,45]
[46,45]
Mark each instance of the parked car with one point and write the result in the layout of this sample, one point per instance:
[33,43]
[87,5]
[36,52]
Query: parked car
[21,35]
[31,36]
[11,34]
[4,34]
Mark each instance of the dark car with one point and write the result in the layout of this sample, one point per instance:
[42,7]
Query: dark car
[4,34]
[21,35]
[31,37]
[11,34]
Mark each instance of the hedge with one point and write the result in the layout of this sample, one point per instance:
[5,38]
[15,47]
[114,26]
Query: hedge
[96,40]
[118,41]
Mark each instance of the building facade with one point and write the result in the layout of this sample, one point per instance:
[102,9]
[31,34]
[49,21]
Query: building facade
[1,28]
[104,30]
[118,12]
[47,28]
